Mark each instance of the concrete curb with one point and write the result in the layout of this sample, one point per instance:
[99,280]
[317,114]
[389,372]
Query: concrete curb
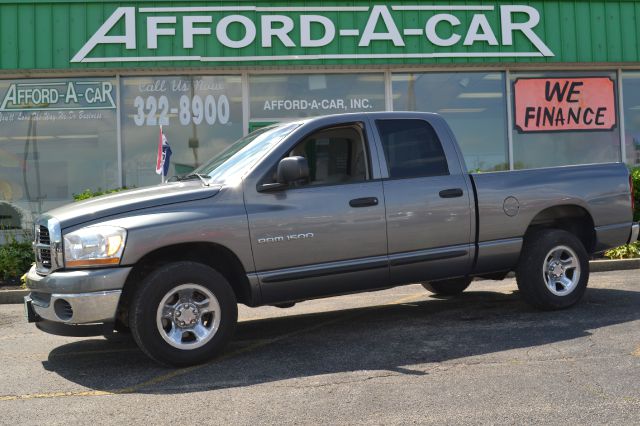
[12,296]
[17,296]
[613,265]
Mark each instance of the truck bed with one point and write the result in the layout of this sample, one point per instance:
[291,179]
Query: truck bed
[508,203]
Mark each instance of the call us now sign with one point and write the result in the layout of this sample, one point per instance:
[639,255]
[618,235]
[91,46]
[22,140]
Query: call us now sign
[564,104]
[236,33]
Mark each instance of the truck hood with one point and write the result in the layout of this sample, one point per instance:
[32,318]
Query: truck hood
[135,199]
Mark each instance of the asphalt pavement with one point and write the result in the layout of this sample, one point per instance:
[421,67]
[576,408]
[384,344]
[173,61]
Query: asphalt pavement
[392,357]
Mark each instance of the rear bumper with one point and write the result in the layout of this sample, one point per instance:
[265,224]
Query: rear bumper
[635,228]
[610,236]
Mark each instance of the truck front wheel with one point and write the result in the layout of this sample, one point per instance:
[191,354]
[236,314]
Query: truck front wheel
[449,287]
[553,269]
[183,313]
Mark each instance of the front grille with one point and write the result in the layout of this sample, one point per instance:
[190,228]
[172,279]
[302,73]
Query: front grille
[48,245]
[45,258]
[44,235]
[43,248]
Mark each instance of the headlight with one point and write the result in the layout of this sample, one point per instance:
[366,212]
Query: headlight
[94,246]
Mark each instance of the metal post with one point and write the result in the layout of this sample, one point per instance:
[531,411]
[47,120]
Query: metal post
[507,77]
[623,145]
[119,133]
[388,91]
[245,103]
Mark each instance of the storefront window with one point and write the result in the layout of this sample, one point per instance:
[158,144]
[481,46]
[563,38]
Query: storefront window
[201,116]
[474,105]
[553,147]
[57,137]
[275,98]
[631,98]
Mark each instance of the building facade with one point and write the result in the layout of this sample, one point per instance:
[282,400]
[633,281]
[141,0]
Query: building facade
[85,85]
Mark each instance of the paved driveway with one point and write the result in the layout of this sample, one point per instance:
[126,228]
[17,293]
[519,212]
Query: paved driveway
[396,356]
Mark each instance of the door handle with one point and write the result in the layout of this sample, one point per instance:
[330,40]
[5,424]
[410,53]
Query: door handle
[364,202]
[451,193]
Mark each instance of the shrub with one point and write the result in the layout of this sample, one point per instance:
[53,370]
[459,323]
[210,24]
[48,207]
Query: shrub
[627,251]
[635,176]
[87,193]
[16,257]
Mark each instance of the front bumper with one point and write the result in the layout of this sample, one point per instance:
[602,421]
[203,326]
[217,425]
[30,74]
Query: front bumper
[76,297]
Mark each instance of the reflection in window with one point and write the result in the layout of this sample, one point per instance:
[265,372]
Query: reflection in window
[57,138]
[548,149]
[201,117]
[474,105]
[631,97]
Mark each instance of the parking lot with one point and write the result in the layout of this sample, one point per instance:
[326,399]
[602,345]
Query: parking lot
[395,356]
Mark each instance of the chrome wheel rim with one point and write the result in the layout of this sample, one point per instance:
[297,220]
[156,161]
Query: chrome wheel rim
[561,270]
[188,316]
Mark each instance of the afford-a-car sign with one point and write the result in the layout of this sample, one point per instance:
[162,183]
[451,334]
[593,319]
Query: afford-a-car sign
[564,104]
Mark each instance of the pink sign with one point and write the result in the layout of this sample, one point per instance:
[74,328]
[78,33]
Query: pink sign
[563,104]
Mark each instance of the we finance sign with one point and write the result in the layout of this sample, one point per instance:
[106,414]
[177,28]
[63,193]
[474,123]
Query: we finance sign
[291,33]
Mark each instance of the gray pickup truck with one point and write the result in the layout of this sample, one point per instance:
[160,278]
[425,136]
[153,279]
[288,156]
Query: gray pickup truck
[315,208]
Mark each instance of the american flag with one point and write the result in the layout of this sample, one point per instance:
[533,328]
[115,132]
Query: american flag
[164,155]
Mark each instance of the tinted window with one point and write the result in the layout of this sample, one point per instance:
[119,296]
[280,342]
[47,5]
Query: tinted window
[474,105]
[412,149]
[335,156]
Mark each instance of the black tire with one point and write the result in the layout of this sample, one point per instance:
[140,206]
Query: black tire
[533,273]
[158,285]
[450,287]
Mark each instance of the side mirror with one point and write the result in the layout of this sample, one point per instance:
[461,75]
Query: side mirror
[291,169]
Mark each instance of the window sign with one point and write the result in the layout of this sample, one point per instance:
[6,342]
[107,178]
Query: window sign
[200,116]
[281,97]
[552,142]
[58,137]
[59,96]
[564,104]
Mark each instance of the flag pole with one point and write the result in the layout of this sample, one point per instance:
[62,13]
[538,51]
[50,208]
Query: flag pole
[162,171]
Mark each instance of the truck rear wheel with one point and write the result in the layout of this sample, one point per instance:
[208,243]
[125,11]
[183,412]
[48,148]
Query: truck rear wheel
[183,313]
[553,269]
[448,287]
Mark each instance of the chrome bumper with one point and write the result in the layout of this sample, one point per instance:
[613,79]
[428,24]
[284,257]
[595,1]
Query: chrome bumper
[82,308]
[77,297]
[635,228]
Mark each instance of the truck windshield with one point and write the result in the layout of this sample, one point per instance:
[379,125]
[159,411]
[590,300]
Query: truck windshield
[242,154]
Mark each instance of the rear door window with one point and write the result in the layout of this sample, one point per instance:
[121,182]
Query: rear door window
[412,149]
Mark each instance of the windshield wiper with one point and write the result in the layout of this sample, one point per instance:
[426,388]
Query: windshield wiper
[202,178]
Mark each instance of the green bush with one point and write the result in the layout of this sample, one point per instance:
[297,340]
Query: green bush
[16,257]
[87,193]
[627,251]
[635,176]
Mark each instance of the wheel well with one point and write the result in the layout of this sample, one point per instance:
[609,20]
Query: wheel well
[216,256]
[571,218]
